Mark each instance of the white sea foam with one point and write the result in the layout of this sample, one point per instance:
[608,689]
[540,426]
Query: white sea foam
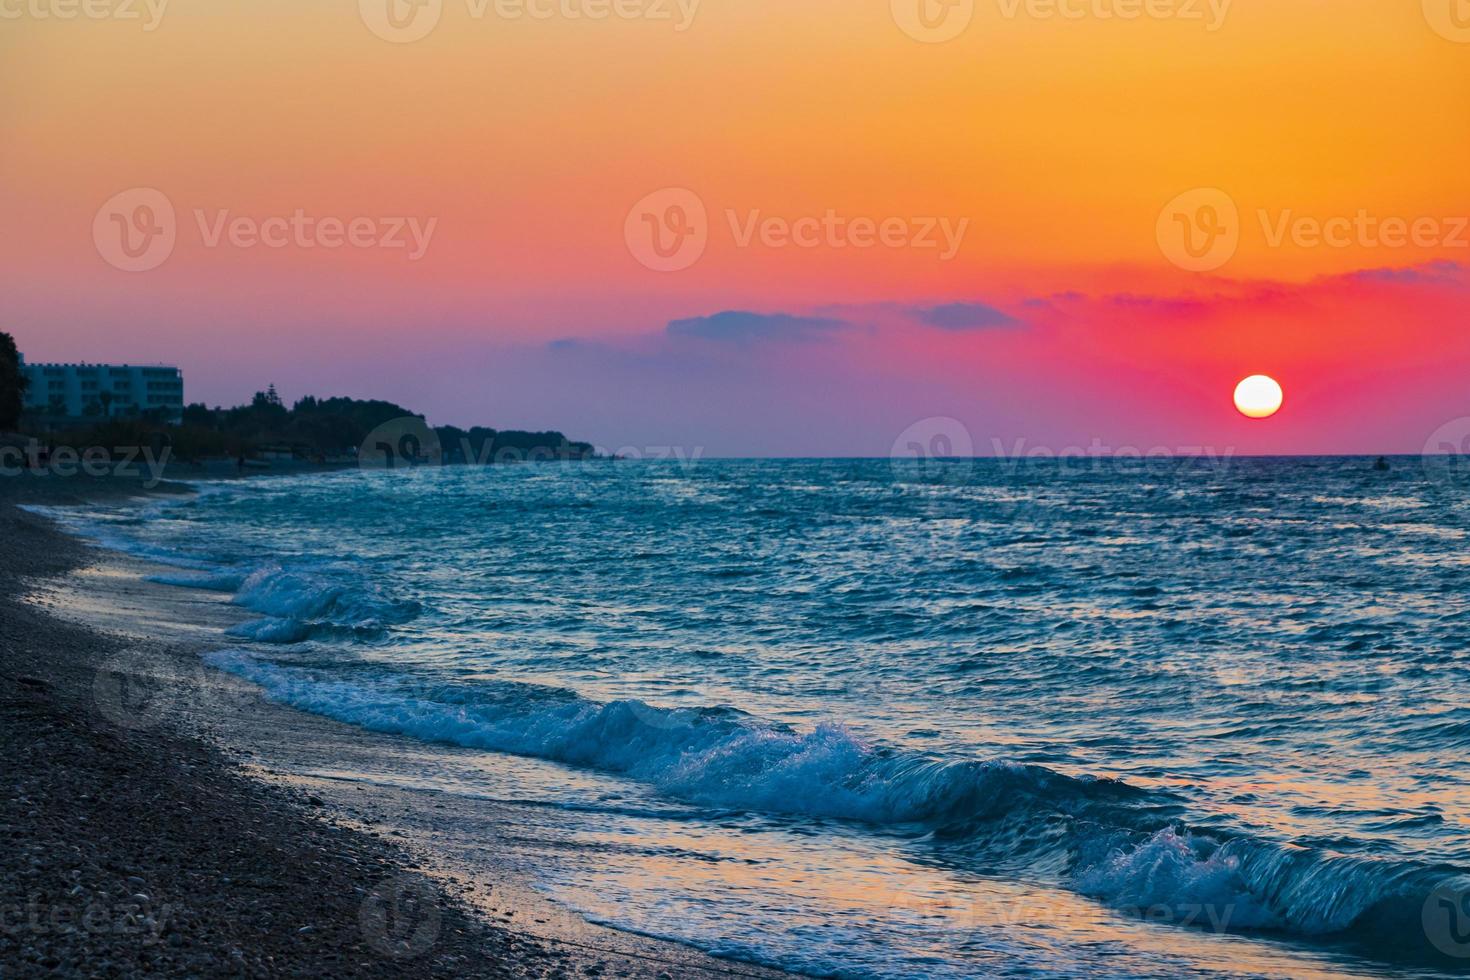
[720,757]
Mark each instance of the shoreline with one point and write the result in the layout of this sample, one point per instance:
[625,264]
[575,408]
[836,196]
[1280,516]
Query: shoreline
[167,820]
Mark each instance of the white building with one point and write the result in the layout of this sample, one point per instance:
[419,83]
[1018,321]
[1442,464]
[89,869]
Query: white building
[79,390]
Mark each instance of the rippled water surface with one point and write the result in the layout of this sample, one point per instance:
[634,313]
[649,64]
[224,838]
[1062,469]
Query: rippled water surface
[868,719]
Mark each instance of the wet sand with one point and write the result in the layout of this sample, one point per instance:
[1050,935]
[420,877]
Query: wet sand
[165,820]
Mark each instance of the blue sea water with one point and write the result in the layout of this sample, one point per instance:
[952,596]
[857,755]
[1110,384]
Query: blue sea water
[876,719]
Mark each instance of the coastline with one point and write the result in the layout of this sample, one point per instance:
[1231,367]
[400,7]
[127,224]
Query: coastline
[167,820]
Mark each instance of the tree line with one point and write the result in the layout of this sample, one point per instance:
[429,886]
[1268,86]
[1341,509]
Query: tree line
[320,429]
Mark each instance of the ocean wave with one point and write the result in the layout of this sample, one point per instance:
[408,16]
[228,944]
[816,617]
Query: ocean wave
[98,528]
[1384,908]
[1114,847]
[716,756]
[297,604]
[288,630]
[302,604]
[208,581]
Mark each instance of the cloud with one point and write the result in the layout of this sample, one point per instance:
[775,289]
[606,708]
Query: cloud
[740,326]
[1440,272]
[964,316]
[1179,307]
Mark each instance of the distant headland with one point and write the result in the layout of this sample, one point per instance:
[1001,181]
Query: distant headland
[325,431]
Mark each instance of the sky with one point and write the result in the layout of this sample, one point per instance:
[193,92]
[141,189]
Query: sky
[759,227]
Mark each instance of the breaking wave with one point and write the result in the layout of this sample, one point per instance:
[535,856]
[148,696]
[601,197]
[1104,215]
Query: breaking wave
[1113,846]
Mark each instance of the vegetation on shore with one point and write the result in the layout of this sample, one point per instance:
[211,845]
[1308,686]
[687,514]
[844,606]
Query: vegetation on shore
[12,384]
[315,429]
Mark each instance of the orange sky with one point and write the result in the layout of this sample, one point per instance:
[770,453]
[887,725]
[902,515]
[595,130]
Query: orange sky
[1056,140]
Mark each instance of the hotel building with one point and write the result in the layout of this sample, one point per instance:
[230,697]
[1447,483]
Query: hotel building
[78,390]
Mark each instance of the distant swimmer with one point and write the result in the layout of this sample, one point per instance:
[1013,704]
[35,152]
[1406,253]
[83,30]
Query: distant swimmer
[1381,465]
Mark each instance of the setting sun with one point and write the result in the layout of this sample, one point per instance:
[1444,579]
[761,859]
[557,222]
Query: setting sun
[1258,397]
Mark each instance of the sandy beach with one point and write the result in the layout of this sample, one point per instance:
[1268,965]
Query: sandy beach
[165,820]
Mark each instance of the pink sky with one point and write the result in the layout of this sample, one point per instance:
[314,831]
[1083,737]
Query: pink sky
[887,229]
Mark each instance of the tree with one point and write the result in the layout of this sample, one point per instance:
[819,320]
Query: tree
[12,384]
[200,415]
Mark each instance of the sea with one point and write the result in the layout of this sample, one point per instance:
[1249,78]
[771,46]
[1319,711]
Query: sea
[904,718]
